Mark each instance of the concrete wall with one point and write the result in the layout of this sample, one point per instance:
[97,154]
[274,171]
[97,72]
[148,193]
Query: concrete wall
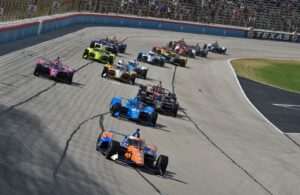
[14,32]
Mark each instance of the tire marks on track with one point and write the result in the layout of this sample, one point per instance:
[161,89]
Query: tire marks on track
[75,131]
[215,145]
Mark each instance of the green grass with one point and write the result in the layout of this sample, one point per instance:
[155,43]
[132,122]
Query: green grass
[284,74]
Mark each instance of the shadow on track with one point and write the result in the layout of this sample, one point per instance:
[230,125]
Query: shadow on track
[29,155]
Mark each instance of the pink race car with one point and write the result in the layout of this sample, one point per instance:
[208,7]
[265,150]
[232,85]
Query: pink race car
[54,69]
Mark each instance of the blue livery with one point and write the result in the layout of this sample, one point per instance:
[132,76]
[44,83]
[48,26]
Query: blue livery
[134,110]
[141,71]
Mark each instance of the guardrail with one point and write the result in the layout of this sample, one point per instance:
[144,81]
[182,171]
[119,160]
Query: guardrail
[14,32]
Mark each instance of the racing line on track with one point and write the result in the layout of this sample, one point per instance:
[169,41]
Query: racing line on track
[215,145]
[40,92]
[54,175]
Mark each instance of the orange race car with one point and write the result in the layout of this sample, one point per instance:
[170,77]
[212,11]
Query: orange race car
[171,57]
[132,150]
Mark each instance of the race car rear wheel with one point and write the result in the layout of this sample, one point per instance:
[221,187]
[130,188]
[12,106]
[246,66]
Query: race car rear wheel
[110,60]
[132,80]
[104,72]
[85,54]
[115,108]
[145,74]
[175,110]
[162,164]
[140,56]
[112,149]
[154,119]
[36,72]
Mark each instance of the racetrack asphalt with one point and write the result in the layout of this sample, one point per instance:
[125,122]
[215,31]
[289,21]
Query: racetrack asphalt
[279,106]
[218,144]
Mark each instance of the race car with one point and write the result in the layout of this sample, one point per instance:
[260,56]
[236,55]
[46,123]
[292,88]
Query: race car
[132,151]
[54,69]
[151,58]
[182,48]
[134,110]
[202,52]
[106,45]
[216,48]
[99,53]
[161,99]
[119,72]
[114,43]
[171,57]
[141,71]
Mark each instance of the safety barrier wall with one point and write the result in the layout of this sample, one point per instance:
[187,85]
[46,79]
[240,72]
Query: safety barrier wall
[19,31]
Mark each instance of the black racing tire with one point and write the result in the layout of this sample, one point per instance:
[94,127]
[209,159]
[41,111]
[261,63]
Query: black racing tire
[132,80]
[140,57]
[162,164]
[70,80]
[161,63]
[115,108]
[145,74]
[112,149]
[175,110]
[92,45]
[182,63]
[36,71]
[104,72]
[110,60]
[85,54]
[154,49]
[154,116]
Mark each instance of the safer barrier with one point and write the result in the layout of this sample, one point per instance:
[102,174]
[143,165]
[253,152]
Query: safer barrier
[19,31]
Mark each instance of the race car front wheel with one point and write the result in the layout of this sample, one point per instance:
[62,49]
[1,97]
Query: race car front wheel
[104,72]
[112,149]
[85,54]
[154,119]
[161,164]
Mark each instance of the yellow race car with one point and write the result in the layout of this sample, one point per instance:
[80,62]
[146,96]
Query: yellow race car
[119,72]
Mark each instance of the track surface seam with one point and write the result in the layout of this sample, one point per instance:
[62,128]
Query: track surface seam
[215,145]
[75,131]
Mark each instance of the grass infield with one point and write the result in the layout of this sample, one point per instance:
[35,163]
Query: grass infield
[284,74]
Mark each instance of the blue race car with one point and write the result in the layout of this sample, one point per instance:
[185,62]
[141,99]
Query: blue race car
[111,45]
[134,110]
[151,58]
[141,71]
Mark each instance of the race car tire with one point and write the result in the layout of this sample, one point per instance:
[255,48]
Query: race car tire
[115,108]
[110,60]
[182,63]
[92,45]
[70,80]
[104,72]
[112,149]
[175,110]
[154,49]
[161,63]
[162,164]
[145,74]
[132,81]
[154,116]
[98,140]
[36,72]
[85,54]
[140,56]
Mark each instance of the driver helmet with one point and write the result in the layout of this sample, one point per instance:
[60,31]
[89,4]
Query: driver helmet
[120,62]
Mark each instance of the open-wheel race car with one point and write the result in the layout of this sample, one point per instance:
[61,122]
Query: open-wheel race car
[54,69]
[119,72]
[171,57]
[141,71]
[216,48]
[133,151]
[111,44]
[98,52]
[200,51]
[160,98]
[151,58]
[181,48]
[134,110]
